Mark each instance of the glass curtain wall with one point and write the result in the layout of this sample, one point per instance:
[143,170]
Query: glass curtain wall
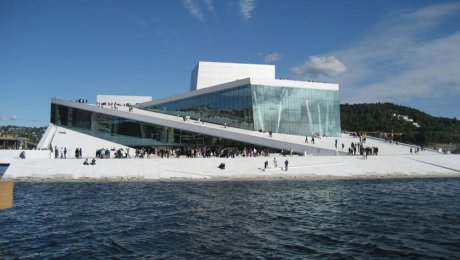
[131,133]
[230,106]
[297,111]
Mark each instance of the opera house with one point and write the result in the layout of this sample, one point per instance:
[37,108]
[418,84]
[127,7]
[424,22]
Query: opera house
[229,104]
[230,107]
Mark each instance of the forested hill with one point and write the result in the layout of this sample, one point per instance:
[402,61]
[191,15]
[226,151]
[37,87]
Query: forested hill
[381,117]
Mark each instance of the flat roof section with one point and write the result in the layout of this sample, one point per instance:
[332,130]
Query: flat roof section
[207,74]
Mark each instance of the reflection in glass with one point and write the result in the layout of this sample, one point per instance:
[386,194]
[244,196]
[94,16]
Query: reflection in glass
[298,111]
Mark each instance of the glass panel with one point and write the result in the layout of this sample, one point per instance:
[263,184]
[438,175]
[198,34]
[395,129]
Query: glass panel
[132,133]
[298,111]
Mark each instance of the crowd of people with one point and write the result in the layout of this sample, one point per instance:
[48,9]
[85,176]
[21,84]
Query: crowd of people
[59,153]
[112,105]
[115,105]
[363,150]
[357,147]
[103,153]
[199,152]
[176,152]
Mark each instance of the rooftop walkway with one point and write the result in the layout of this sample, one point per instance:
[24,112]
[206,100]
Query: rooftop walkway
[322,145]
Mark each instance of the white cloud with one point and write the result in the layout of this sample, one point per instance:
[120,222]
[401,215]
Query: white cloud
[246,8]
[8,118]
[316,66]
[194,9]
[210,5]
[430,70]
[270,58]
[435,11]
[407,57]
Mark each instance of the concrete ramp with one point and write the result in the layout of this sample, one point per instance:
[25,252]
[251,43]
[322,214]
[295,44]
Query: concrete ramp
[241,135]
[47,137]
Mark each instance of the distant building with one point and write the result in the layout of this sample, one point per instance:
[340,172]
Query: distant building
[407,119]
[11,142]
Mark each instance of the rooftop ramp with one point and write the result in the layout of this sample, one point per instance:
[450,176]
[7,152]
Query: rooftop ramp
[69,139]
[322,146]
[47,137]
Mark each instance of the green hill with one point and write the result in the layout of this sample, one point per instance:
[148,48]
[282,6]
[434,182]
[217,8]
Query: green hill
[383,117]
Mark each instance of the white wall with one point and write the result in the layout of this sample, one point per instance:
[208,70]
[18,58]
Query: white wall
[89,144]
[214,73]
[6,156]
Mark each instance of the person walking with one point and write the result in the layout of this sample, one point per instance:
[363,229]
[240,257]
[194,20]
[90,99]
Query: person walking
[275,162]
[286,165]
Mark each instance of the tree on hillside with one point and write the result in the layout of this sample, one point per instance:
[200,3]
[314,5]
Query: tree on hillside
[384,117]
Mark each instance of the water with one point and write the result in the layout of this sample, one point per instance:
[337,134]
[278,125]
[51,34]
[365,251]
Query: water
[3,168]
[415,218]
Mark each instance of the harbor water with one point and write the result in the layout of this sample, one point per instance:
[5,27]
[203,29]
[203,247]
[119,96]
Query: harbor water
[403,218]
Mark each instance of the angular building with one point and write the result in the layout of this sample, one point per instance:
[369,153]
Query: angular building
[250,97]
[246,97]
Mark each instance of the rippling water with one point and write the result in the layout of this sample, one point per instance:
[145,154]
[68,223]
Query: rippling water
[416,218]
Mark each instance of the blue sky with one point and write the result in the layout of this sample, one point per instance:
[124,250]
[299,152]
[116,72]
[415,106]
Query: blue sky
[406,52]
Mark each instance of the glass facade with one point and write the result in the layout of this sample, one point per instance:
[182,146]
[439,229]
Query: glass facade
[297,111]
[130,132]
[288,110]
[230,106]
